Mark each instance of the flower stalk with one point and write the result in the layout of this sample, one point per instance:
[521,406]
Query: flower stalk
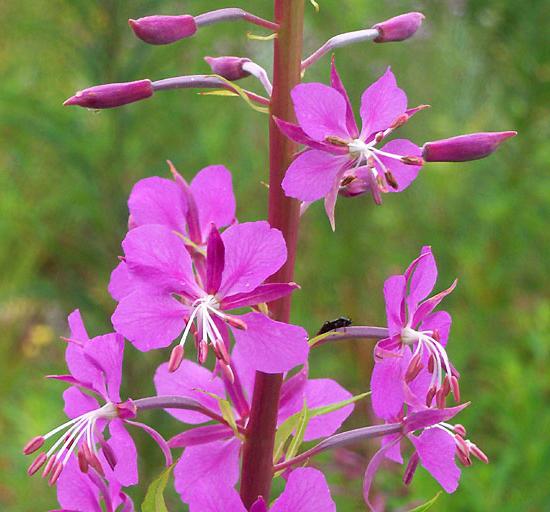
[284,214]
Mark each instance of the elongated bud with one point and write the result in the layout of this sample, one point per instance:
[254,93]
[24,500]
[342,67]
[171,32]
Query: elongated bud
[33,445]
[230,68]
[464,147]
[399,28]
[112,95]
[163,29]
[37,464]
[176,357]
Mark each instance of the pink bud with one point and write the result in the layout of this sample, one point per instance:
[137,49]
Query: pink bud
[230,68]
[33,445]
[398,28]
[163,29]
[112,95]
[464,147]
[126,410]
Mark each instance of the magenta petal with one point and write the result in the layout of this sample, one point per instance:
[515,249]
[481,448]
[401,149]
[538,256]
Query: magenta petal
[200,435]
[124,449]
[381,104]
[312,174]
[393,452]
[318,393]
[190,380]
[75,491]
[436,449]
[320,110]
[306,491]
[387,387]
[76,327]
[295,133]
[264,293]
[106,353]
[332,196]
[215,261]
[394,295]
[259,505]
[213,465]
[158,201]
[253,252]
[439,321]
[404,174]
[423,278]
[149,321]
[122,282]
[217,498]
[157,254]
[155,436]
[212,189]
[427,417]
[271,346]
[78,403]
[372,468]
[337,84]
[246,371]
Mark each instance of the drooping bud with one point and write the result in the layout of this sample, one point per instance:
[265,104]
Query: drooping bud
[126,410]
[163,29]
[230,68]
[33,445]
[112,95]
[464,147]
[176,357]
[398,28]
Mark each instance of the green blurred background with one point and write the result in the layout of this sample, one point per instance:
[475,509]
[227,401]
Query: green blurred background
[66,173]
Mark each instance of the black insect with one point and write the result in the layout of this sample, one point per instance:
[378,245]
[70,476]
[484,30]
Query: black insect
[337,323]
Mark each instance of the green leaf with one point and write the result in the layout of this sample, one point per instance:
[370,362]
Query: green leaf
[240,92]
[319,411]
[315,5]
[282,435]
[154,499]
[227,413]
[427,505]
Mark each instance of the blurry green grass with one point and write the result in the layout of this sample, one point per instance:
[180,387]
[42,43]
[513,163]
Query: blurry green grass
[65,175]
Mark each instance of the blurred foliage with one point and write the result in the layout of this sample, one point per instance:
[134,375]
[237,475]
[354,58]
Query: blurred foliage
[66,172]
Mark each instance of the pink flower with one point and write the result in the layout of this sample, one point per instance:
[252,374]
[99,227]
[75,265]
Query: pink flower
[413,358]
[95,365]
[435,448]
[306,490]
[211,456]
[338,155]
[164,296]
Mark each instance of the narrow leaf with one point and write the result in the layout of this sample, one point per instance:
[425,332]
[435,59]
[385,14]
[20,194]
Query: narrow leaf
[256,37]
[315,5]
[154,499]
[319,411]
[297,440]
[238,90]
[427,505]
[282,435]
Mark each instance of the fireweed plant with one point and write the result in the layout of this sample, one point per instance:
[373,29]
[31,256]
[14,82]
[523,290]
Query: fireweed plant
[190,272]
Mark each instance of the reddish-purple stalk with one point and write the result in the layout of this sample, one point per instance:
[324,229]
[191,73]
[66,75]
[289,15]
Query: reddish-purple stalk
[284,214]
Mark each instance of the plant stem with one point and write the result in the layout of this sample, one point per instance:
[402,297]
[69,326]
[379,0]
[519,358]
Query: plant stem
[284,214]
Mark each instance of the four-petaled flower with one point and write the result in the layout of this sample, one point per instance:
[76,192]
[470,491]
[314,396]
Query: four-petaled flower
[341,159]
[412,364]
[166,296]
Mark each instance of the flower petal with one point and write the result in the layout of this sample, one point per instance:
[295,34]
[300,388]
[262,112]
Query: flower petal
[78,403]
[149,321]
[76,327]
[320,110]
[200,435]
[436,449]
[332,196]
[157,200]
[394,295]
[263,293]
[253,252]
[422,279]
[440,321]
[217,498]
[75,491]
[372,468]
[190,380]
[106,353]
[125,452]
[213,465]
[306,491]
[312,174]
[158,255]
[212,189]
[381,104]
[430,304]
[337,84]
[404,174]
[270,346]
[215,261]
[387,387]
[295,133]
[121,282]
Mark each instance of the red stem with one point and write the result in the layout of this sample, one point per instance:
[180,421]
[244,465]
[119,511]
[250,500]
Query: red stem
[257,468]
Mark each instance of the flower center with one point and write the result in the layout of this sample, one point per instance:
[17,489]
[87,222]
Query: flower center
[359,149]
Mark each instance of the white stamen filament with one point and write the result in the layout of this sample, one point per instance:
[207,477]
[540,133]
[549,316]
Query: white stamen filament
[203,309]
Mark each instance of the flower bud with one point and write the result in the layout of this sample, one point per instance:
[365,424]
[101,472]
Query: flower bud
[464,147]
[398,28]
[112,95]
[163,29]
[230,68]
